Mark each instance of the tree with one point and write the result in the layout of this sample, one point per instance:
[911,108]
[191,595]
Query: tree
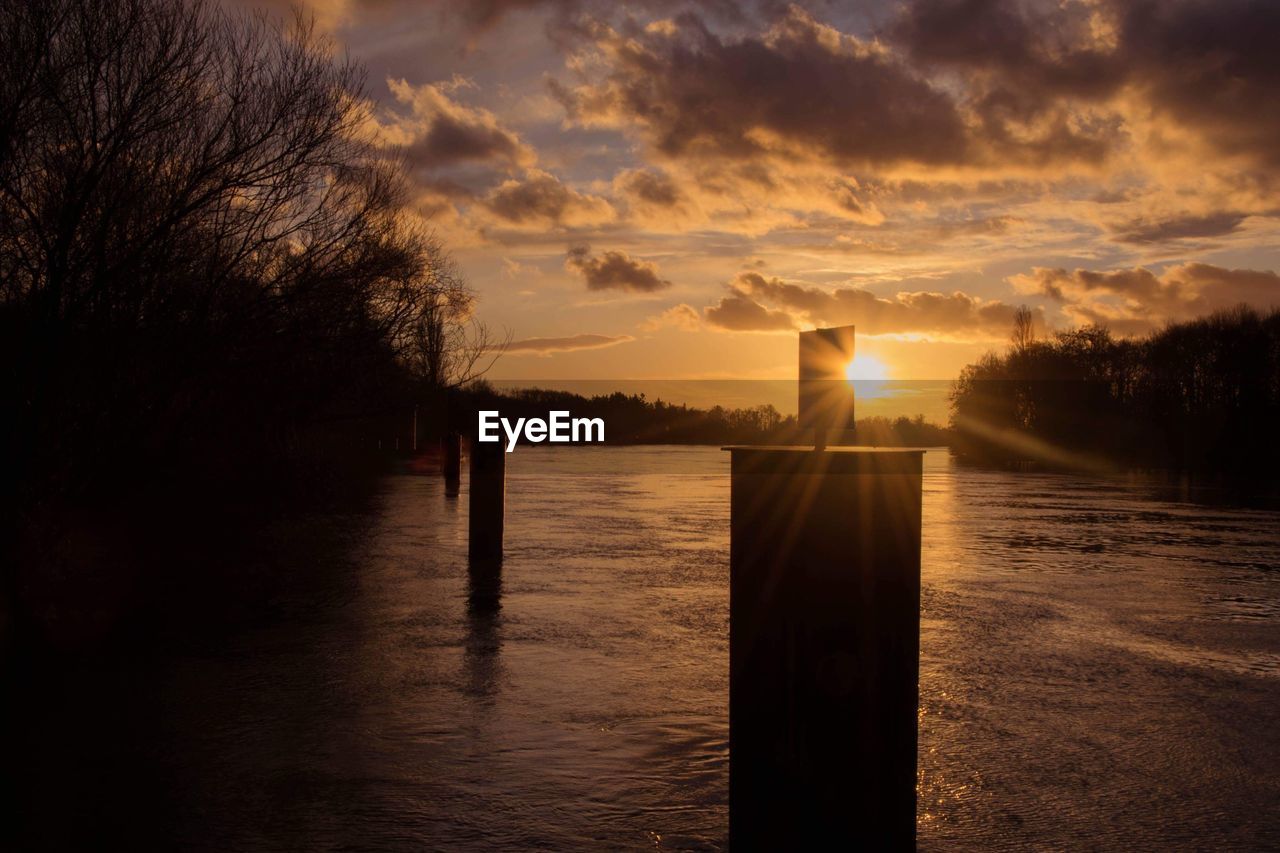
[445,345]
[199,244]
[1024,331]
[1203,394]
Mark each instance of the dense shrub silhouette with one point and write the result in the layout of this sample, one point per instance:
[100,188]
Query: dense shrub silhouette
[1202,395]
[635,419]
[208,273]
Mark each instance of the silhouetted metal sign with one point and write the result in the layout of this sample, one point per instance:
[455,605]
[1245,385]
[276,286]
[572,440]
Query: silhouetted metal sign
[826,394]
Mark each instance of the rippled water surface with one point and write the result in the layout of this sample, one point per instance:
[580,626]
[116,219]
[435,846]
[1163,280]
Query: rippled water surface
[1100,668]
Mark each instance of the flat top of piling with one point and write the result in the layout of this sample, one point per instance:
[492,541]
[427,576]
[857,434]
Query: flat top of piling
[841,459]
[801,448]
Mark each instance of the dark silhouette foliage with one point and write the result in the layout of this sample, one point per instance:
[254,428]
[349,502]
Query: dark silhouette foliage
[209,278]
[1198,396]
[634,419]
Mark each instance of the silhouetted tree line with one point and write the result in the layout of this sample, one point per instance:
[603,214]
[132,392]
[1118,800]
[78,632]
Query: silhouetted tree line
[209,274]
[634,419]
[1202,395]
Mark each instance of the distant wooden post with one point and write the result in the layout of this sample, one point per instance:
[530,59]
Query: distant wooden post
[451,463]
[824,648]
[487,502]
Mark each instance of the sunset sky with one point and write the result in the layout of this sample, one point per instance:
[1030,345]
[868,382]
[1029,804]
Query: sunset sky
[668,189]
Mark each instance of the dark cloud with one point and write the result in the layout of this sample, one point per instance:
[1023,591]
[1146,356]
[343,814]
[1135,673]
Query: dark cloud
[440,131]
[540,198]
[655,199]
[848,198]
[1211,67]
[484,14]
[452,139]
[1113,196]
[1144,299]
[757,303]
[964,32]
[1053,51]
[1023,73]
[480,15]
[1129,301]
[653,188]
[800,90]
[805,91]
[615,271]
[954,313]
[1178,228]
[544,346]
[1137,283]
[738,312]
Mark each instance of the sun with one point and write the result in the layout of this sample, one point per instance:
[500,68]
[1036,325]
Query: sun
[866,368]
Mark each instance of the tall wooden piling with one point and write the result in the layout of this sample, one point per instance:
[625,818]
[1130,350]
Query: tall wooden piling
[487,502]
[824,647]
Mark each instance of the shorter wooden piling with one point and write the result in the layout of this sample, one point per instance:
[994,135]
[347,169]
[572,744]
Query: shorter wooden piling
[451,463]
[487,502]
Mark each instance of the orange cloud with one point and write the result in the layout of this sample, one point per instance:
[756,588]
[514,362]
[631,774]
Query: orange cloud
[1137,300]
[614,271]
[1203,67]
[771,303]
[806,92]
[539,199]
[800,90]
[439,131]
[1148,230]
[682,316]
[546,346]
[738,312]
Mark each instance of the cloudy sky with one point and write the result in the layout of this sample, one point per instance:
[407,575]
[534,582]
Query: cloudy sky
[670,189]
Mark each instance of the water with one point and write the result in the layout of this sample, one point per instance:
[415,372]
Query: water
[1100,668]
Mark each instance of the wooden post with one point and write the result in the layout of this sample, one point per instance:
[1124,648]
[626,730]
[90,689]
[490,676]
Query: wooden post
[487,502]
[824,647]
[451,463]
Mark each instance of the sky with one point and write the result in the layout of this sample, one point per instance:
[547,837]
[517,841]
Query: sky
[666,189]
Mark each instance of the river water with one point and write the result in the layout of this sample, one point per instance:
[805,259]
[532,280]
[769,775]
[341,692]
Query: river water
[1100,669]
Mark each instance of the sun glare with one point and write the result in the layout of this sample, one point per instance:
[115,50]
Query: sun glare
[865,368]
